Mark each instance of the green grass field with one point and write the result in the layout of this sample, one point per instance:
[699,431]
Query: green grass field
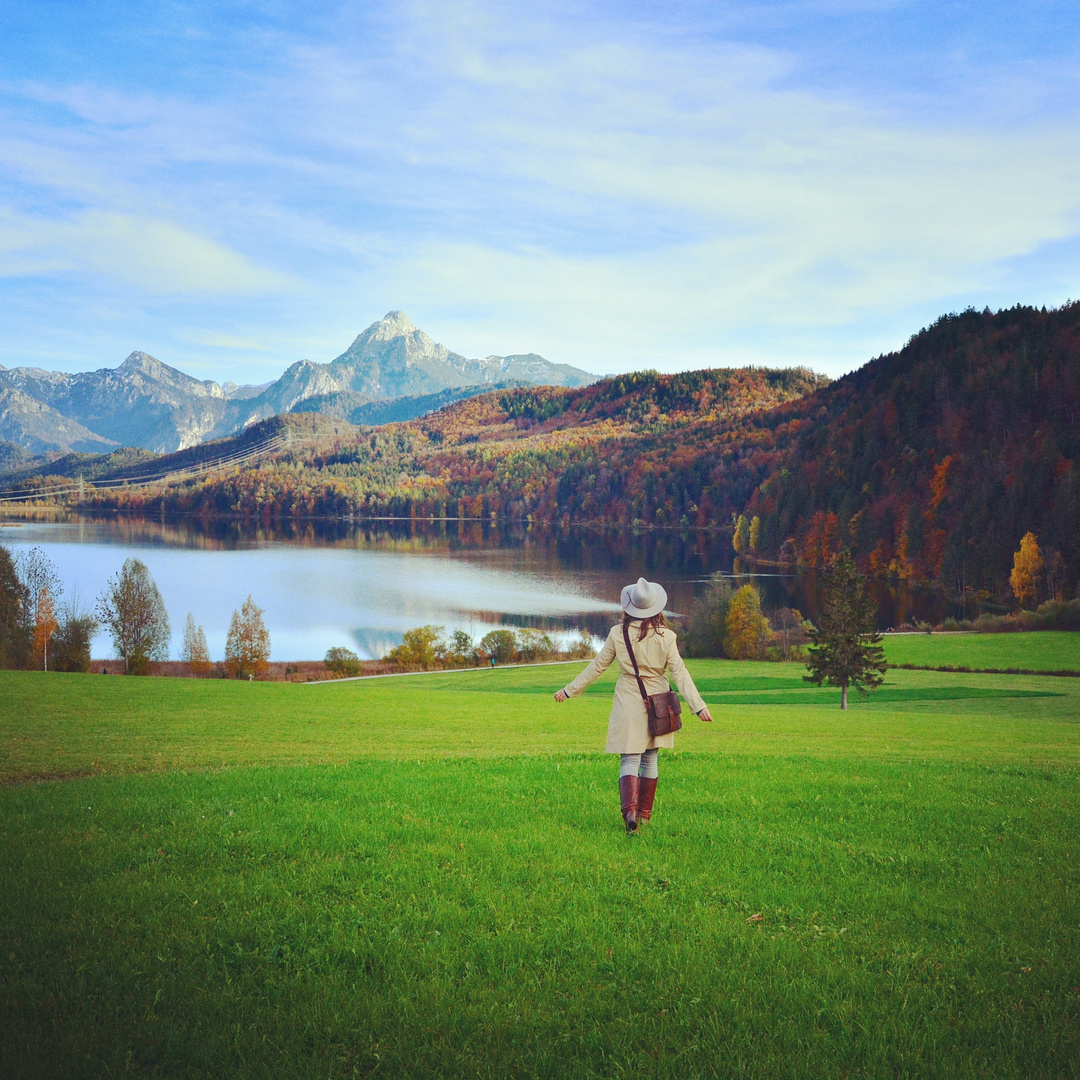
[1045,650]
[427,876]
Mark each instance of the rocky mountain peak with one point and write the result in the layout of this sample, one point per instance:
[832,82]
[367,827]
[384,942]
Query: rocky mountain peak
[396,321]
[150,368]
[143,362]
[394,326]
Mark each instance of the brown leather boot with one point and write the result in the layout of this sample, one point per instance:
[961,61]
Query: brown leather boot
[646,794]
[628,796]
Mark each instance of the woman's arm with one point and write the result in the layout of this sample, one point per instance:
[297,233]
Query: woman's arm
[597,666]
[685,683]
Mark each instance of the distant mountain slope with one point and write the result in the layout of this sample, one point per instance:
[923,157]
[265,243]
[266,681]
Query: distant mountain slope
[12,456]
[38,427]
[148,404]
[275,436]
[142,403]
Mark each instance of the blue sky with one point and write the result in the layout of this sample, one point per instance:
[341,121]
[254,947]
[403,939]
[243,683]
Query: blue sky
[235,186]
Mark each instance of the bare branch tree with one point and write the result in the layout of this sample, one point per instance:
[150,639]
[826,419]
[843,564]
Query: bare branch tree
[38,574]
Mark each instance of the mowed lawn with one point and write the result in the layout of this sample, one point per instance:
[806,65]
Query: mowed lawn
[427,876]
[1045,650]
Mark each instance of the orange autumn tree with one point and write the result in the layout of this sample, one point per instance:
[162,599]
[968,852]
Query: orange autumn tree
[1027,570]
[247,648]
[45,626]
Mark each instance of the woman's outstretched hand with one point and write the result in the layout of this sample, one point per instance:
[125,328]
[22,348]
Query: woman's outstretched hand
[705,715]
[561,695]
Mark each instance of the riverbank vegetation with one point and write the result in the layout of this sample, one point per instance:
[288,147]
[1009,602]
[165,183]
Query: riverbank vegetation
[428,876]
[428,648]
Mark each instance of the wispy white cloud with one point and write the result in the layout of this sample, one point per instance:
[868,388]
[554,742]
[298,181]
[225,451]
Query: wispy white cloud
[673,197]
[607,190]
[153,256]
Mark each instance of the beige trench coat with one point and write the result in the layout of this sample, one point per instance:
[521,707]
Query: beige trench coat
[628,725]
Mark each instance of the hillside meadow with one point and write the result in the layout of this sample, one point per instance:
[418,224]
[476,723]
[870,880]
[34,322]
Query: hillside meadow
[427,876]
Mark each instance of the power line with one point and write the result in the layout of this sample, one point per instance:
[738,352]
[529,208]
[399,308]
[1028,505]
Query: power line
[168,476]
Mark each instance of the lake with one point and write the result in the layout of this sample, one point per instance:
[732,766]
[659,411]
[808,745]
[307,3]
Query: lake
[363,585]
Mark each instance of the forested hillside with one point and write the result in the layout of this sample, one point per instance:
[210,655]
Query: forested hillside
[932,462]
[640,448]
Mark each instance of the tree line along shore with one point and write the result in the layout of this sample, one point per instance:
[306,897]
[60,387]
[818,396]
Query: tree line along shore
[39,631]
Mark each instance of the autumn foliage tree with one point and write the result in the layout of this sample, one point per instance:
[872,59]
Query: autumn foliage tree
[132,609]
[746,630]
[419,648]
[71,643]
[247,647]
[194,652]
[740,537]
[1027,570]
[846,647]
[45,626]
[39,579]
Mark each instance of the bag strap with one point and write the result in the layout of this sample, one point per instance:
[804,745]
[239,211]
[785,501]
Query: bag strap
[633,660]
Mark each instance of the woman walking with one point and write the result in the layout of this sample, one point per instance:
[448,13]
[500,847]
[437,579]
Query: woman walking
[655,650]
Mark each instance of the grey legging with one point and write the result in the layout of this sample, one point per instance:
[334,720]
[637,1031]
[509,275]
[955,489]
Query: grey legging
[643,765]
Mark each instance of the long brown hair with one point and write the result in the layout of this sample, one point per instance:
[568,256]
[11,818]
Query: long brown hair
[653,622]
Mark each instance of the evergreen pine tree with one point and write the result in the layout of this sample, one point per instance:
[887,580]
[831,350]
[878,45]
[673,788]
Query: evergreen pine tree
[846,648]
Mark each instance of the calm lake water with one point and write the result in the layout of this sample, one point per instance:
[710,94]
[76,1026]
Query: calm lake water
[363,586]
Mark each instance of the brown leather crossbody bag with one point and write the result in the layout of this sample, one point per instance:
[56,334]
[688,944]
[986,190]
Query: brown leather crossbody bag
[664,709]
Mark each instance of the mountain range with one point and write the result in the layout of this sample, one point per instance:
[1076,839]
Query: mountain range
[391,366]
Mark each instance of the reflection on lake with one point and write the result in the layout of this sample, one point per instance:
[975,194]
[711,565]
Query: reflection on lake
[363,585]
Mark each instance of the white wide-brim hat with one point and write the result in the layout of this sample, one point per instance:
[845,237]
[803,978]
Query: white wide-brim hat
[643,600]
